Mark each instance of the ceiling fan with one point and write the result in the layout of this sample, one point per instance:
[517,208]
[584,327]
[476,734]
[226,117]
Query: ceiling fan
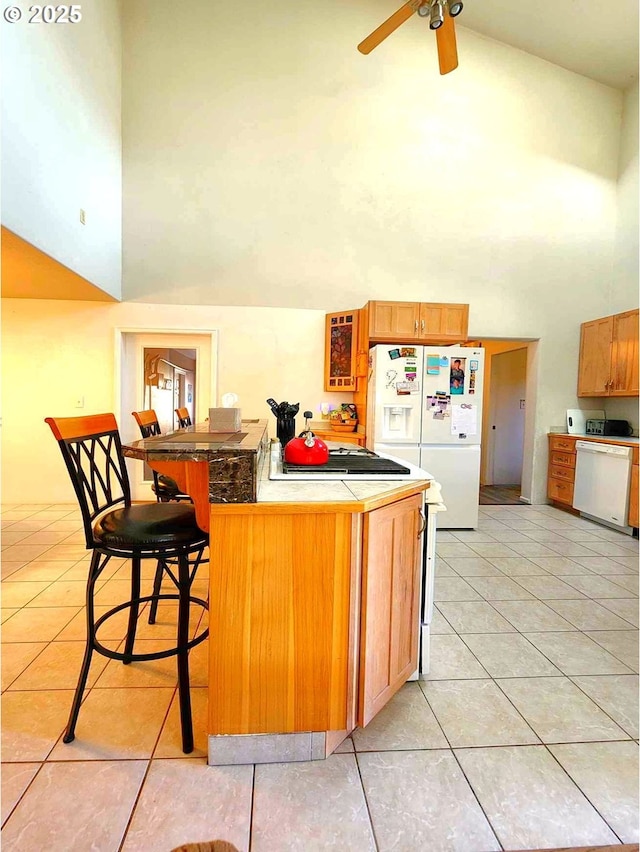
[441,14]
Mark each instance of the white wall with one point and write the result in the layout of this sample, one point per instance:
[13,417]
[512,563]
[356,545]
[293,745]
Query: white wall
[57,351]
[61,139]
[267,162]
[624,288]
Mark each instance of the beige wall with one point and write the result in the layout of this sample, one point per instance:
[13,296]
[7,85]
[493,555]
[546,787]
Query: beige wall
[57,351]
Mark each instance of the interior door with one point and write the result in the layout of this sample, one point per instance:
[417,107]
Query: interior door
[508,383]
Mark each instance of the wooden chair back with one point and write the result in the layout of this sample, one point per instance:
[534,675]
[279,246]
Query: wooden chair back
[92,452]
[184,418]
[148,422]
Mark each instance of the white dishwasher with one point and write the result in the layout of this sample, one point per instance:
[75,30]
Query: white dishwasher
[601,488]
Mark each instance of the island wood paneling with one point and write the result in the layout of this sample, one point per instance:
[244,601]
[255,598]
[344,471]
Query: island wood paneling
[279,614]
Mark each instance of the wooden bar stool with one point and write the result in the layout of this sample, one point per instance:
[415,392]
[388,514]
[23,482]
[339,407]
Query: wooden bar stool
[114,527]
[164,487]
[184,418]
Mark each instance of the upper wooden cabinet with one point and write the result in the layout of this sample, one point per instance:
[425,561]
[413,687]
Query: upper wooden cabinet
[423,322]
[349,334]
[624,355]
[340,351]
[609,356]
[394,320]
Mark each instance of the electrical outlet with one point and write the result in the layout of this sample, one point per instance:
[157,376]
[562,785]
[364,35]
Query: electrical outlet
[522,403]
[79,402]
[82,216]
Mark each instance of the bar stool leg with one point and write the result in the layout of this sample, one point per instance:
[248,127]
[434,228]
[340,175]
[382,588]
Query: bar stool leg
[134,609]
[157,584]
[184,590]
[70,731]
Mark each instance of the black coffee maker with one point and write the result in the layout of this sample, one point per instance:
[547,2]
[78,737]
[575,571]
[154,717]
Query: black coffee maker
[285,414]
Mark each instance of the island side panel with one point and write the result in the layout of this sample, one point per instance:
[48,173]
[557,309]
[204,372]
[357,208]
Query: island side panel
[193,479]
[279,609]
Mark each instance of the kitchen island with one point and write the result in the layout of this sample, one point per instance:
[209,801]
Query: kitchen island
[313,604]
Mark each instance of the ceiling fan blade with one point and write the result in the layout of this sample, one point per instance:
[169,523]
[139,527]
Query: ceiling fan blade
[446,44]
[403,14]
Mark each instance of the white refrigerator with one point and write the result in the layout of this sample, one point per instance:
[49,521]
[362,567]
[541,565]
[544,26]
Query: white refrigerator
[424,404]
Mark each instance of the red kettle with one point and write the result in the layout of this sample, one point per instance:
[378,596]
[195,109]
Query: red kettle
[306,448]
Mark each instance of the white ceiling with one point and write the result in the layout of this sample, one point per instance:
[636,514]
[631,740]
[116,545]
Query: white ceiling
[594,38]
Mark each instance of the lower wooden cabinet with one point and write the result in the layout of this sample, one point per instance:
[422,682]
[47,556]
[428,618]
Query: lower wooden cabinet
[315,607]
[633,498]
[389,608]
[562,469]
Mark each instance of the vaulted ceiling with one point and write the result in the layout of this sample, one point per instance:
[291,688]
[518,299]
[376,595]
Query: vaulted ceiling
[598,40]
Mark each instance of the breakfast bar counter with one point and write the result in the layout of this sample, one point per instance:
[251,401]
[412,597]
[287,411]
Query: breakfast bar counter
[313,603]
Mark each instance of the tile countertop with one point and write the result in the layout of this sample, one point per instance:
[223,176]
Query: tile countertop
[603,439]
[297,491]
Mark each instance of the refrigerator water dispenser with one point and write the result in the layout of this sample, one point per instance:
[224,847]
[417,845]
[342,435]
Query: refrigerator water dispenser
[397,422]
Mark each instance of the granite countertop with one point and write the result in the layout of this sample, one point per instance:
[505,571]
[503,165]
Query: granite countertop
[238,470]
[196,443]
[630,441]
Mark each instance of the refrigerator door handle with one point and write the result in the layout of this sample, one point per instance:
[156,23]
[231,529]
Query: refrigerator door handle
[423,526]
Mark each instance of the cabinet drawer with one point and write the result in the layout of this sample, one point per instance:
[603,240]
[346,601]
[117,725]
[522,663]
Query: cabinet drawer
[559,472]
[558,443]
[567,459]
[560,490]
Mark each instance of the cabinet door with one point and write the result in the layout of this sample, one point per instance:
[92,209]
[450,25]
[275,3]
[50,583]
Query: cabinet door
[633,498]
[389,612]
[341,339]
[442,322]
[594,373]
[394,322]
[624,355]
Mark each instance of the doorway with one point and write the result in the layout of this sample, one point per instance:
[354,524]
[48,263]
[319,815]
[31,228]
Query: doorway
[162,371]
[503,441]
[169,378]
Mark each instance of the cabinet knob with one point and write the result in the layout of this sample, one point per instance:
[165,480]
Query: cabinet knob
[422,325]
[423,524]
[415,327]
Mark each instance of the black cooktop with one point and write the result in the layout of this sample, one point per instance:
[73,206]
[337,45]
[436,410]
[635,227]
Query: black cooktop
[350,462]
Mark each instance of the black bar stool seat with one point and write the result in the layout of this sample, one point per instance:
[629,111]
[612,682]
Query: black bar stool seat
[148,525]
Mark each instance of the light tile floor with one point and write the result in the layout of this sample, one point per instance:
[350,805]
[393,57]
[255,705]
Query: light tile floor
[524,734]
